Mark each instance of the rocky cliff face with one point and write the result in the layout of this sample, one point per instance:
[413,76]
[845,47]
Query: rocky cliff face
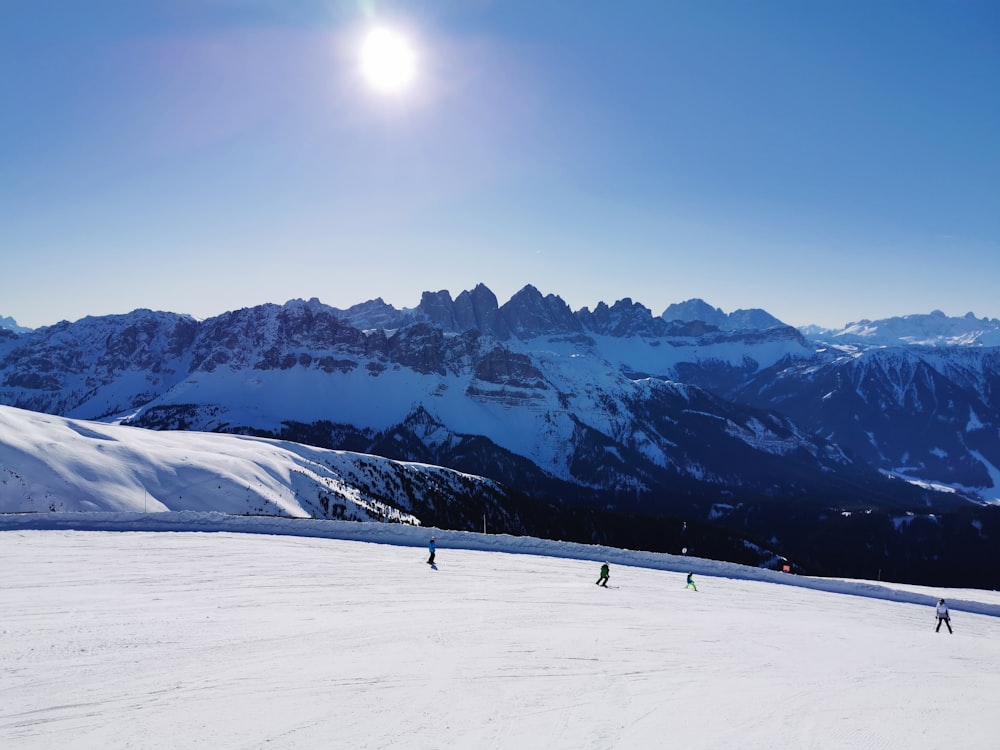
[97,366]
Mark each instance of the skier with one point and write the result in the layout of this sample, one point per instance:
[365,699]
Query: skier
[690,583]
[605,574]
[942,616]
[432,546]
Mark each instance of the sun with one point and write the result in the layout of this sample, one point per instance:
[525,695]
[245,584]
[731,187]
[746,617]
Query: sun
[388,62]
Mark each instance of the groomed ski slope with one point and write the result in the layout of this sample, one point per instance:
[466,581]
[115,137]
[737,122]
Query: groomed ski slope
[134,639]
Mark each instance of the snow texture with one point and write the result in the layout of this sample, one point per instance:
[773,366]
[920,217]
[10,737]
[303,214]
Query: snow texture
[298,633]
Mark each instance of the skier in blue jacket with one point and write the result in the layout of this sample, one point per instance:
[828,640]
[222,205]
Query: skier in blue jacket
[432,546]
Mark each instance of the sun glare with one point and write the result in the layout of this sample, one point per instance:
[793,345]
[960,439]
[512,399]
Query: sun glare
[387,61]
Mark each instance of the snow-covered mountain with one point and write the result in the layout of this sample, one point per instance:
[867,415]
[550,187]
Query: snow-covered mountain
[757,426]
[925,413]
[56,466]
[738,320]
[9,324]
[530,390]
[933,329]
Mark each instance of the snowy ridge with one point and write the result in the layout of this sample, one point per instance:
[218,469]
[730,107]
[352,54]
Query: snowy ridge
[52,463]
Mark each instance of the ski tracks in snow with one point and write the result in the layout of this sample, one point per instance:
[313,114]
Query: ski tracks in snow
[217,641]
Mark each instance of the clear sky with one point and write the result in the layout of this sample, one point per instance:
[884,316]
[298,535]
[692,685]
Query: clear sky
[826,160]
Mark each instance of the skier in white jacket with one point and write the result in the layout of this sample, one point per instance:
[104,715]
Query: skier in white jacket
[943,616]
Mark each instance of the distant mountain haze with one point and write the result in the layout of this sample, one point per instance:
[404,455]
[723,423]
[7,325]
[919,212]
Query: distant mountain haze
[10,324]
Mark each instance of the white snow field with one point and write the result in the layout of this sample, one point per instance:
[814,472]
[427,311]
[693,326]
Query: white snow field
[137,639]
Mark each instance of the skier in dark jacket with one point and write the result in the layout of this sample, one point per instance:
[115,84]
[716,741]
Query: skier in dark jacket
[605,574]
[942,616]
[690,582]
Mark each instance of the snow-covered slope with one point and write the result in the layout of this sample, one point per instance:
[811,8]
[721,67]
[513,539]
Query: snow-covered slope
[50,463]
[228,640]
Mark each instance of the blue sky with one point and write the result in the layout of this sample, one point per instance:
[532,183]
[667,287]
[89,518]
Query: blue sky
[826,161]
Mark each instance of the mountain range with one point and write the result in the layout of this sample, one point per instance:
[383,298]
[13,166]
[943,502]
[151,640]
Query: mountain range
[872,447]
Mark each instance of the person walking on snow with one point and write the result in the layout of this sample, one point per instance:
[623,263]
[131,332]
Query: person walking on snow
[432,546]
[942,616]
[690,583]
[605,574]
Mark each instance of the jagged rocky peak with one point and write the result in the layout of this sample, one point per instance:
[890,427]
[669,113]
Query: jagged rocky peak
[310,321]
[123,335]
[478,309]
[739,320]
[139,316]
[248,326]
[374,314]
[59,367]
[475,310]
[438,308]
[312,304]
[624,318]
[529,314]
[271,336]
[693,310]
[471,310]
[143,336]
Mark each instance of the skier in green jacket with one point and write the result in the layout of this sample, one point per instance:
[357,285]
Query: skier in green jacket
[605,572]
